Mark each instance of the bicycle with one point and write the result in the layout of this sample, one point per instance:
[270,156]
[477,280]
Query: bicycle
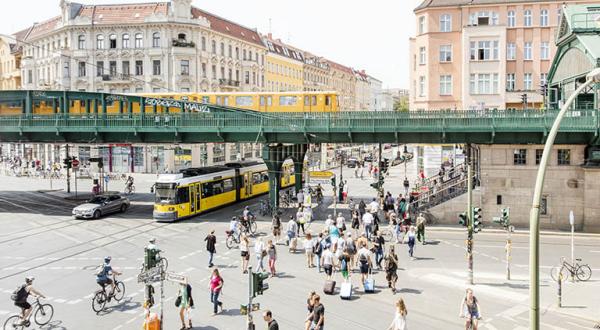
[470,319]
[129,189]
[42,315]
[265,208]
[583,272]
[101,297]
[249,226]
[232,241]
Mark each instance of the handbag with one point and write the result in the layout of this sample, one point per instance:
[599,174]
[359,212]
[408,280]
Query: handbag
[263,253]
[178,301]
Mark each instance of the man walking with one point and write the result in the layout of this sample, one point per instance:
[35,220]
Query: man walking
[211,241]
[406,186]
[271,323]
[421,228]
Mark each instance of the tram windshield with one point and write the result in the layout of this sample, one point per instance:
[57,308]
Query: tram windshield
[165,193]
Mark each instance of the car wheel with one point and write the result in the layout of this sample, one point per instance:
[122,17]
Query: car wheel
[97,214]
[123,208]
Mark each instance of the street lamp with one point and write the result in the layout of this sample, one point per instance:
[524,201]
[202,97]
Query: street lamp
[534,226]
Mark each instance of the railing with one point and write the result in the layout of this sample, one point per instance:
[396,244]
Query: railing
[436,195]
[229,82]
[182,43]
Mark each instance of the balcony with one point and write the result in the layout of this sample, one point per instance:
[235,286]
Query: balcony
[229,83]
[116,78]
[183,43]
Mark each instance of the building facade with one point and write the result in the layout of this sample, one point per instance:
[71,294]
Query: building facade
[316,73]
[284,69]
[482,54]
[10,61]
[375,103]
[342,80]
[362,91]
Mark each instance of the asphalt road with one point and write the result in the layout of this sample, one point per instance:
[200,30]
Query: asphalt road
[40,238]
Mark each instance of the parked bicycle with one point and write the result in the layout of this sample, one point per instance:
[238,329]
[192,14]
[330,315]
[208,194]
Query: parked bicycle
[101,297]
[582,272]
[42,315]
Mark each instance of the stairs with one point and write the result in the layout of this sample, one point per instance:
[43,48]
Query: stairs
[438,189]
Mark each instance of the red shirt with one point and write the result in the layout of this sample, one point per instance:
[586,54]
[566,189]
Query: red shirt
[215,281]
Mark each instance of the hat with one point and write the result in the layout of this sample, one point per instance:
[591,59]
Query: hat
[29,279]
[152,240]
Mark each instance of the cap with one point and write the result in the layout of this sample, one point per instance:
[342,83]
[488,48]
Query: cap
[29,279]
[234,218]
[107,259]
[152,240]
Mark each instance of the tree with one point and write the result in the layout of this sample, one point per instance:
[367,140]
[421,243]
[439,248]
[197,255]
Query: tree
[401,104]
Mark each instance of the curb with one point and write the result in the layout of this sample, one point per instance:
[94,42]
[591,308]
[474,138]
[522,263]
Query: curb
[516,232]
[555,309]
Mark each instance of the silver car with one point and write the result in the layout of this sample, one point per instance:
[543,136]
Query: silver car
[101,205]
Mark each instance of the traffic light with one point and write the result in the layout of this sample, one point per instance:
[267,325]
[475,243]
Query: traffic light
[379,184]
[384,164]
[67,161]
[149,296]
[333,181]
[258,284]
[477,221]
[462,219]
[524,98]
[544,89]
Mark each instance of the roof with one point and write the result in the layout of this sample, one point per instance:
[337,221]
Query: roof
[340,67]
[39,29]
[117,14]
[451,3]
[280,48]
[230,28]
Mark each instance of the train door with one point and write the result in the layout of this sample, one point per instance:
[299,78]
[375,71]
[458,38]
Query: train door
[193,208]
[248,183]
[328,102]
[265,103]
[286,175]
[197,200]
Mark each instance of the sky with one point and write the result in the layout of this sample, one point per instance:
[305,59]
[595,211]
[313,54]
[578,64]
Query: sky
[363,35]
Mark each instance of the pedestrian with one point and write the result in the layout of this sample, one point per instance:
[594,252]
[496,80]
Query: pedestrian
[309,306]
[245,252]
[211,241]
[422,176]
[260,252]
[345,193]
[309,250]
[374,210]
[351,249]
[362,207]
[271,323]
[186,302]
[318,314]
[470,310]
[421,228]
[406,184]
[300,221]
[345,265]
[216,286]
[319,251]
[334,233]
[362,170]
[367,220]
[327,262]
[364,262]
[328,221]
[399,322]
[378,246]
[411,242]
[351,205]
[272,253]
[300,197]
[276,227]
[355,222]
[340,223]
[292,226]
[391,268]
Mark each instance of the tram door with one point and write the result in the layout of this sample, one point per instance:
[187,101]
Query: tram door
[248,183]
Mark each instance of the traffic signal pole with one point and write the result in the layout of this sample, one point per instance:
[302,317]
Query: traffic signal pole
[469,215]
[68,170]
[508,252]
[250,294]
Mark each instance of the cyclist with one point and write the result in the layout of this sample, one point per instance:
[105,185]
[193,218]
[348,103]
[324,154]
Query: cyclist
[233,227]
[151,253]
[129,184]
[470,310]
[21,299]
[102,277]
[246,217]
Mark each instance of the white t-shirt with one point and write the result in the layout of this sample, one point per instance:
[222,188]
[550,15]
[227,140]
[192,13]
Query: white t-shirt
[374,206]
[328,222]
[291,226]
[259,247]
[340,221]
[308,245]
[233,225]
[363,253]
[327,257]
[367,218]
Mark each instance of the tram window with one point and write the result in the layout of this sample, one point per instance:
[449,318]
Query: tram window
[287,100]
[256,178]
[306,100]
[183,195]
[262,100]
[205,99]
[314,100]
[269,100]
[246,101]
[227,185]
[327,100]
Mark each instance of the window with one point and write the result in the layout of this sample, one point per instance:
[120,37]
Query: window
[422,56]
[446,53]
[185,67]
[511,19]
[244,101]
[484,50]
[544,17]
[229,53]
[139,68]
[99,41]
[520,157]
[538,156]
[564,157]
[213,46]
[421,24]
[527,82]
[545,50]
[214,71]
[446,85]
[445,23]
[125,68]
[544,206]
[204,70]
[247,77]
[112,39]
[472,84]
[81,42]
[203,43]
[498,199]
[80,70]
[222,73]
[421,86]
[543,79]
[222,49]
[156,40]
[527,17]
[183,195]
[112,68]
[125,41]
[139,41]
[99,68]
[67,70]
[510,81]
[287,100]
[495,83]
[527,54]
[511,51]
[156,67]
[237,53]
[484,84]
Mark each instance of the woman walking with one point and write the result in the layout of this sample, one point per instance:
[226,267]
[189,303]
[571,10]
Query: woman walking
[215,285]
[276,227]
[309,249]
[185,303]
[245,252]
[411,241]
[261,253]
[378,245]
[309,307]
[399,322]
[272,253]
[391,268]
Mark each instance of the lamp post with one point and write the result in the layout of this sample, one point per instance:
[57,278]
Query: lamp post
[534,226]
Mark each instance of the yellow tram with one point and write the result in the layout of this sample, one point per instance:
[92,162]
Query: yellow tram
[198,190]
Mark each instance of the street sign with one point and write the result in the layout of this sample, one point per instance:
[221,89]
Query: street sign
[150,275]
[174,277]
[75,163]
[321,174]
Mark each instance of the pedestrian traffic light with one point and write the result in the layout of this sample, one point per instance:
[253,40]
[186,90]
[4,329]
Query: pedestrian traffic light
[333,181]
[524,98]
[379,184]
[477,219]
[462,219]
[506,217]
[258,284]
[384,164]
[67,161]
[149,293]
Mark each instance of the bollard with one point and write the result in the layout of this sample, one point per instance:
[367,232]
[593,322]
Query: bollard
[560,289]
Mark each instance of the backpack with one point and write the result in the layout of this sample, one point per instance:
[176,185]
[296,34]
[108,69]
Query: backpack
[101,272]
[318,248]
[363,258]
[350,246]
[20,294]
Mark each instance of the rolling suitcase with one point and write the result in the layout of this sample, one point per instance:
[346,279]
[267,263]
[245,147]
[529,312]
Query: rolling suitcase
[329,287]
[369,283]
[346,291]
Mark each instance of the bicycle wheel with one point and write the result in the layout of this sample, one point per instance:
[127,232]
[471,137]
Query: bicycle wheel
[99,301]
[119,293]
[253,227]
[583,272]
[43,314]
[230,242]
[13,323]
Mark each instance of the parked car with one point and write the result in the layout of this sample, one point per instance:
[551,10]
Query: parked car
[352,162]
[101,205]
[368,158]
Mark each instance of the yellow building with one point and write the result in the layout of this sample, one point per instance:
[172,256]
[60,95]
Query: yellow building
[284,71]
[10,58]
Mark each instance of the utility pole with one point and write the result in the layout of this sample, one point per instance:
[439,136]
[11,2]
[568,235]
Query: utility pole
[508,252]
[470,214]
[379,174]
[68,170]
[250,294]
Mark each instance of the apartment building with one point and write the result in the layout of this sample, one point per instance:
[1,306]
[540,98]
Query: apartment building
[10,60]
[284,69]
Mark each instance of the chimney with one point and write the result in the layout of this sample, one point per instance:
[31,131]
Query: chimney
[270,36]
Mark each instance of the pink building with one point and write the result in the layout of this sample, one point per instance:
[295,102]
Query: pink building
[482,54]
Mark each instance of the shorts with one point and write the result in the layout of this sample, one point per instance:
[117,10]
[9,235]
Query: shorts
[276,231]
[391,276]
[328,269]
[344,195]
[105,282]
[355,225]
[475,315]
[364,268]
[23,304]
[245,255]
[309,253]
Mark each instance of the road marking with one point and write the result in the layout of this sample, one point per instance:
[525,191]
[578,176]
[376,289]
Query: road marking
[70,238]
[479,288]
[73,302]
[60,301]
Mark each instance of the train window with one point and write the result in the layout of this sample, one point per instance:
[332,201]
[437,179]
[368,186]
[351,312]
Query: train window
[183,195]
[269,100]
[246,101]
[262,100]
[287,100]
[306,100]
[218,100]
[314,100]
[205,99]
[327,100]
[225,100]
[227,185]
[257,178]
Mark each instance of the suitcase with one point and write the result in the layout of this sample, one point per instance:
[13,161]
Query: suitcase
[369,284]
[346,291]
[329,287]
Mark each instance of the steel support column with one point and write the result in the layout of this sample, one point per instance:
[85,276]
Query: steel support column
[273,159]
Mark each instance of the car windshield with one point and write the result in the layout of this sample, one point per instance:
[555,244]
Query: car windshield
[97,200]
[165,193]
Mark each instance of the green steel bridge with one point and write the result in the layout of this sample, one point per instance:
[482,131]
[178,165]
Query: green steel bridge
[172,121]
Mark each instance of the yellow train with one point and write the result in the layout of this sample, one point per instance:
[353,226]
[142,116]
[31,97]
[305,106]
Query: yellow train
[256,101]
[198,190]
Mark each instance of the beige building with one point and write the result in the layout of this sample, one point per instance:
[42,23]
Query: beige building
[10,61]
[316,73]
[482,54]
[362,91]
[342,80]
